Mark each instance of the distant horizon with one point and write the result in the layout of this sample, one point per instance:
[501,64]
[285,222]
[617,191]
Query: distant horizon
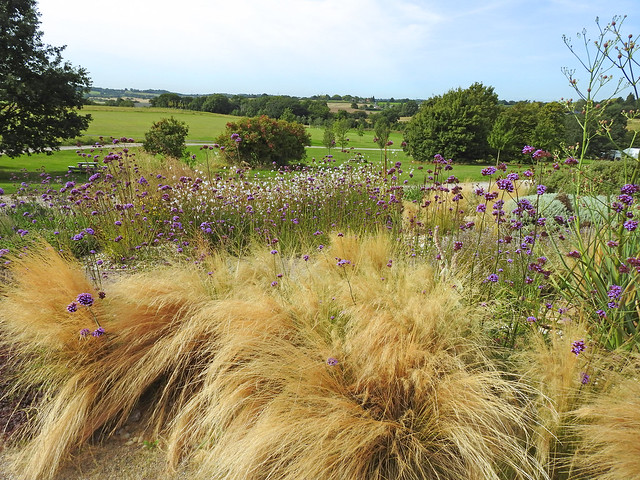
[403,49]
[149,90]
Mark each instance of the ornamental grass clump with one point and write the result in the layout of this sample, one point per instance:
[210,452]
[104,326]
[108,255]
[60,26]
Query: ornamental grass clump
[365,368]
[609,431]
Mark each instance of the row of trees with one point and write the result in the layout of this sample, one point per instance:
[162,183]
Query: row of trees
[471,125]
[303,110]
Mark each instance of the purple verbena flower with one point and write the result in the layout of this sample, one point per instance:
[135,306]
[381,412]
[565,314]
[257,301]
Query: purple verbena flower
[332,362]
[630,188]
[630,225]
[614,291]
[98,332]
[505,184]
[577,347]
[541,189]
[72,307]
[85,332]
[85,299]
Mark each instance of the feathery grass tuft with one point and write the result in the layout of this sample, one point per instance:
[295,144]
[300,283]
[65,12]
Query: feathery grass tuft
[368,369]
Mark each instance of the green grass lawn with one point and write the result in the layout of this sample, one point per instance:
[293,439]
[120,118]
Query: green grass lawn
[28,168]
[134,122]
[203,127]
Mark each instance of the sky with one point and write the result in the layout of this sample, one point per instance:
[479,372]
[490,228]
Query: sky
[382,48]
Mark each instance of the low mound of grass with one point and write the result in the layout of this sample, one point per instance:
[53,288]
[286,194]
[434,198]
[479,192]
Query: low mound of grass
[348,364]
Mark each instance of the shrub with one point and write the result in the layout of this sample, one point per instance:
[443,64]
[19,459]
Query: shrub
[167,137]
[599,177]
[261,141]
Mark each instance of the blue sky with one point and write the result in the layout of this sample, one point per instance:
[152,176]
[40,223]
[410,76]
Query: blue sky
[384,48]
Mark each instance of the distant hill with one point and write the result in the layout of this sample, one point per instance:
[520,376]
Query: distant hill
[127,97]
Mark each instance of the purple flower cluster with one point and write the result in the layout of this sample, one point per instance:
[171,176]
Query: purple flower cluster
[505,184]
[577,347]
[85,299]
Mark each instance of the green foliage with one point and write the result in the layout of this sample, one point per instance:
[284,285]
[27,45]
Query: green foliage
[264,141]
[600,177]
[341,129]
[455,125]
[329,138]
[217,103]
[527,123]
[38,91]
[167,137]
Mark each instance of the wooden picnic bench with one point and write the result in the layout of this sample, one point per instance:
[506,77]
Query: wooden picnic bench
[85,167]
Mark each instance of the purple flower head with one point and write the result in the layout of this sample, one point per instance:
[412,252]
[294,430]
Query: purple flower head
[541,189]
[584,378]
[457,246]
[342,262]
[274,284]
[332,362]
[513,176]
[527,150]
[630,225]
[625,198]
[101,294]
[78,237]
[488,171]
[85,299]
[273,252]
[305,257]
[85,332]
[601,313]
[614,292]
[630,189]
[493,278]
[98,332]
[571,161]
[505,184]
[531,319]
[72,307]
[577,347]
[574,254]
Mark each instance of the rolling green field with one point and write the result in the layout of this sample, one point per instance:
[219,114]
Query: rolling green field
[134,122]
[203,128]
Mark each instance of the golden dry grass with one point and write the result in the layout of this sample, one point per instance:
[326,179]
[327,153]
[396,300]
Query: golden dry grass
[609,432]
[236,374]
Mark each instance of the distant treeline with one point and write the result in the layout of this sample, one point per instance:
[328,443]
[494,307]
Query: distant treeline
[311,111]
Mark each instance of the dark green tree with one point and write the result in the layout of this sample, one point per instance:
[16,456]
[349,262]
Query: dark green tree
[167,137]
[217,103]
[40,94]
[456,125]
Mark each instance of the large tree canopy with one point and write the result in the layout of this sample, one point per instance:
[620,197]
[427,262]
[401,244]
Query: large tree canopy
[455,125]
[39,92]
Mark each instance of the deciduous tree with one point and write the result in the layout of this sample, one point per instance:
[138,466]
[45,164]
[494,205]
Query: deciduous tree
[455,125]
[40,94]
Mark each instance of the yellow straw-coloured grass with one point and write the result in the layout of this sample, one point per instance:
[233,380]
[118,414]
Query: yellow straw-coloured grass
[236,376]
